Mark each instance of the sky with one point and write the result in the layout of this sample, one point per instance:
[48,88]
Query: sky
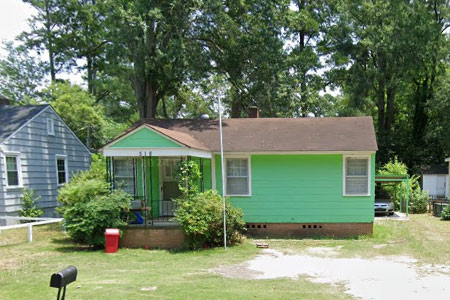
[13,21]
[13,18]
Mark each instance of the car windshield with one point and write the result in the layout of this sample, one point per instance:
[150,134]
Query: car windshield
[383,200]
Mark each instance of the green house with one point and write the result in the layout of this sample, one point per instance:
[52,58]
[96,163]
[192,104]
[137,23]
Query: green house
[290,176]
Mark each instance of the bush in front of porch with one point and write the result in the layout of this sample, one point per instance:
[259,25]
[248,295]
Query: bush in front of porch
[89,207]
[201,214]
[201,217]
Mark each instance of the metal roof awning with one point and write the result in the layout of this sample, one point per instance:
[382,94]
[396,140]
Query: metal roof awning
[391,178]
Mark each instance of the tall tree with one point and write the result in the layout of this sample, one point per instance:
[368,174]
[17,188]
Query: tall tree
[45,34]
[152,42]
[305,32]
[386,55]
[429,53]
[84,36]
[242,41]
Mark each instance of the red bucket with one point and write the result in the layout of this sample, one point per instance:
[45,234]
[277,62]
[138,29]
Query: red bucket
[111,240]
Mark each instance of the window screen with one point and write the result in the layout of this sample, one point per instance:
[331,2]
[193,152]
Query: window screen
[12,171]
[237,176]
[124,174]
[62,172]
[357,176]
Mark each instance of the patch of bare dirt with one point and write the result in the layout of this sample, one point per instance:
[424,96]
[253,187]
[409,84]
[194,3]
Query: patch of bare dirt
[381,278]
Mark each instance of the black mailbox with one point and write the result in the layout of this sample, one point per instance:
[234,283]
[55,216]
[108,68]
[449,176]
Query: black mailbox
[62,278]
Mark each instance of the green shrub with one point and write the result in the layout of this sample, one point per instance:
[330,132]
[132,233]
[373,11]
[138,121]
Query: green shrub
[29,207]
[445,214]
[418,202]
[86,221]
[394,167]
[89,207]
[81,189]
[201,217]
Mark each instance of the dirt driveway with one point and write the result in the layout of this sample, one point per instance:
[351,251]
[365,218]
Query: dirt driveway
[381,278]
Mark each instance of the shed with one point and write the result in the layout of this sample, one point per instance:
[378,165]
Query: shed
[435,181]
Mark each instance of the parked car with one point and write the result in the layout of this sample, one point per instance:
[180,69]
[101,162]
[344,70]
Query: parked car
[383,202]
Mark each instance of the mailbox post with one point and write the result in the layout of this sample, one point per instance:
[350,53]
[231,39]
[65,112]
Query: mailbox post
[62,278]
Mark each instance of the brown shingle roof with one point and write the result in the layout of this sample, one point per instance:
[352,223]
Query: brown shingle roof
[180,137]
[272,134]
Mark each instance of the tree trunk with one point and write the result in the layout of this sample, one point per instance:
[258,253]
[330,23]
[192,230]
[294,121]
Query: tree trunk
[390,108]
[51,64]
[51,58]
[380,106]
[164,108]
[303,85]
[236,108]
[152,99]
[420,118]
[90,75]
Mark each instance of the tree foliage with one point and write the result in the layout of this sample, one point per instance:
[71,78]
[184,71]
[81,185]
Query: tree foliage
[173,59]
[79,112]
[21,75]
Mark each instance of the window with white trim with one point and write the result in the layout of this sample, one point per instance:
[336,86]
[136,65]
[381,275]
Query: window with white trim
[50,126]
[13,170]
[124,174]
[237,176]
[356,181]
[61,170]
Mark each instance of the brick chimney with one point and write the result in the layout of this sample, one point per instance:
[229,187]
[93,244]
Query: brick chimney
[253,112]
[4,101]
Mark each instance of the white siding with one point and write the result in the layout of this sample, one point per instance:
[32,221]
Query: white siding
[447,183]
[38,152]
[436,184]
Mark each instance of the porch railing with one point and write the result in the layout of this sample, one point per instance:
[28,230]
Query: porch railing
[167,209]
[156,212]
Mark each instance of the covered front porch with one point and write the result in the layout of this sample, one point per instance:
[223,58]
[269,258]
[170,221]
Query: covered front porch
[142,162]
[151,179]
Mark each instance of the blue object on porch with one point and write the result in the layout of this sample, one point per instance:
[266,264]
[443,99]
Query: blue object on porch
[139,218]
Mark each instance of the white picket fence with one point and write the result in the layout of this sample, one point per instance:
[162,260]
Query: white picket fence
[38,221]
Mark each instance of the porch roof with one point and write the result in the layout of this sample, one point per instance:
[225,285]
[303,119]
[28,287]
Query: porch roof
[183,144]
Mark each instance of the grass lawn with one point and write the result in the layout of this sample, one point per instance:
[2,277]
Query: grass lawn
[25,268]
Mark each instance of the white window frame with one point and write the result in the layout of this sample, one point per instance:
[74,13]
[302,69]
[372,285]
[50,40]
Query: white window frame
[66,168]
[19,169]
[249,166]
[50,126]
[344,174]
[134,186]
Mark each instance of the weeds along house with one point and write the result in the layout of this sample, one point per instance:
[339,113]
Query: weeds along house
[291,177]
[37,151]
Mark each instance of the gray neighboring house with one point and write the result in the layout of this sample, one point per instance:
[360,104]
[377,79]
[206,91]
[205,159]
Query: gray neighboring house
[37,151]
